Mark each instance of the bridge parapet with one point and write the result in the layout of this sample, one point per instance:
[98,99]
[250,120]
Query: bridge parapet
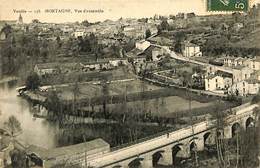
[241,112]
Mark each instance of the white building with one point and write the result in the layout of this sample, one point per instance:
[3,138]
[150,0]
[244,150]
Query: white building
[118,61]
[79,33]
[46,69]
[246,87]
[253,63]
[191,50]
[214,82]
[241,73]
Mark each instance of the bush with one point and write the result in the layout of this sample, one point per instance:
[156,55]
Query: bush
[32,81]
[255,99]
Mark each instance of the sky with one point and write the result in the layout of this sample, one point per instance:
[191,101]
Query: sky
[112,9]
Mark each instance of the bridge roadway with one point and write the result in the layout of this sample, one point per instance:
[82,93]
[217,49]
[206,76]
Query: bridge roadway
[124,155]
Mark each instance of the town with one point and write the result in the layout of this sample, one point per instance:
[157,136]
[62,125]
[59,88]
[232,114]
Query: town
[166,91]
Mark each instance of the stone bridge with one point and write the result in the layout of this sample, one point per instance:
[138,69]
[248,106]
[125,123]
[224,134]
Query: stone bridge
[165,148]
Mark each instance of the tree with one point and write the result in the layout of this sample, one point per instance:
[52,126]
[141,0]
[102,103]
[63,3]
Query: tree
[18,159]
[148,33]
[36,21]
[256,99]
[13,126]
[178,47]
[105,93]
[58,40]
[179,37]
[7,29]
[32,81]
[53,102]
[159,29]
[85,23]
[165,25]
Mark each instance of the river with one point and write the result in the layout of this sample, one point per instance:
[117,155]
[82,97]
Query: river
[34,131]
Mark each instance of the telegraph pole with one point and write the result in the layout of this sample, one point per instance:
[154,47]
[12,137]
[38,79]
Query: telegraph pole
[191,116]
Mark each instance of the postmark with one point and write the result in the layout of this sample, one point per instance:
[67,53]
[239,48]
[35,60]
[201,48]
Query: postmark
[228,5]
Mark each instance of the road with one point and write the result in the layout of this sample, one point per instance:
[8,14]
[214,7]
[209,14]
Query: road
[186,59]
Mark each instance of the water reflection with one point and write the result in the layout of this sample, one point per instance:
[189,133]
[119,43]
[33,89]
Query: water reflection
[35,131]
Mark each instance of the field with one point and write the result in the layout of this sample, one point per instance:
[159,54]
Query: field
[166,106]
[88,90]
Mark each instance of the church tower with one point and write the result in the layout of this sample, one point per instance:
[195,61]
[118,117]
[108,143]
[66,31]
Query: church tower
[20,19]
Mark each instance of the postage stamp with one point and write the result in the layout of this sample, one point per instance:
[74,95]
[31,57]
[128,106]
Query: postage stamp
[228,5]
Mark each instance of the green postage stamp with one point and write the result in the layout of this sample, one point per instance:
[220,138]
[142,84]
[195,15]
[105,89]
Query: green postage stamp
[228,5]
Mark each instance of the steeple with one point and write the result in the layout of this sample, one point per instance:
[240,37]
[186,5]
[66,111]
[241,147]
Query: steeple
[20,19]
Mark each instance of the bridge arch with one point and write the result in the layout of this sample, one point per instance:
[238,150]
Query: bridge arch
[136,163]
[193,148]
[156,157]
[249,122]
[206,138]
[235,128]
[175,150]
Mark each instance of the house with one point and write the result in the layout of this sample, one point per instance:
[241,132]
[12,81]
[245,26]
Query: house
[241,73]
[253,63]
[238,26]
[153,53]
[256,75]
[142,44]
[191,50]
[118,61]
[228,78]
[253,86]
[70,155]
[79,33]
[214,82]
[246,87]
[46,69]
[55,68]
[236,61]
[97,65]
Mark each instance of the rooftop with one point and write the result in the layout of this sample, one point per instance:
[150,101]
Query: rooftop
[211,76]
[47,154]
[224,74]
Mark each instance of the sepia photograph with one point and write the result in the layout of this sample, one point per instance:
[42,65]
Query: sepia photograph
[130,84]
